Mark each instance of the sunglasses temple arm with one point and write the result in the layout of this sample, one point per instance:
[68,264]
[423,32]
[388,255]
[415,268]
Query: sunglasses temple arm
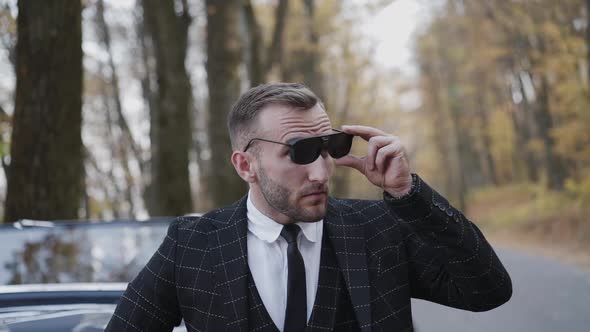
[264,140]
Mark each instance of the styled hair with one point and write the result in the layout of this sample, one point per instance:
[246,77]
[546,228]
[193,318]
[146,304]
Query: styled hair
[242,117]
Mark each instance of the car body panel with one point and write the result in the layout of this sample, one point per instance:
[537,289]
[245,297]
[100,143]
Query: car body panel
[69,276]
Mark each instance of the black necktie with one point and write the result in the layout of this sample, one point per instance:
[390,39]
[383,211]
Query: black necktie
[296,312]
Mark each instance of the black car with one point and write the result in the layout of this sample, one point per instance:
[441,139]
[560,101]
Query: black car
[58,307]
[69,276]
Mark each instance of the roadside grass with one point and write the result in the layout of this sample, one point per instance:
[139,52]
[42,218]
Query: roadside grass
[519,205]
[527,215]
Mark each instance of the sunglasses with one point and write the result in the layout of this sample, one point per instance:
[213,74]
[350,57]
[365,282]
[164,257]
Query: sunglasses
[306,150]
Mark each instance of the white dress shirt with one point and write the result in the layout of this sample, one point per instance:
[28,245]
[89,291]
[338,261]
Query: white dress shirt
[267,259]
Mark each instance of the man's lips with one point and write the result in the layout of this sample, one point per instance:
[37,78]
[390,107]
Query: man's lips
[315,194]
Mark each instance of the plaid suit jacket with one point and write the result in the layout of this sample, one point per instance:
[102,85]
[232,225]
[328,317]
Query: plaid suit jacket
[332,309]
[387,251]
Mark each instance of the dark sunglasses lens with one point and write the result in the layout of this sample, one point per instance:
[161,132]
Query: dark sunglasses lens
[339,145]
[307,150]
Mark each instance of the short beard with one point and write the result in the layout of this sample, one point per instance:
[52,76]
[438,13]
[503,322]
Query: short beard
[277,197]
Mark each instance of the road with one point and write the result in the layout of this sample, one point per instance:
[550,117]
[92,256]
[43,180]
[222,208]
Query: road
[548,296]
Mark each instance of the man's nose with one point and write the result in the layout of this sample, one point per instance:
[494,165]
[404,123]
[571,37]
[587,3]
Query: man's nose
[320,170]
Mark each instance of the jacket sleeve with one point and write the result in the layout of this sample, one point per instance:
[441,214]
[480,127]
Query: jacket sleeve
[450,261]
[149,303]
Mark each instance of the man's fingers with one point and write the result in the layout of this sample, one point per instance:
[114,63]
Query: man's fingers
[352,161]
[375,144]
[388,153]
[363,131]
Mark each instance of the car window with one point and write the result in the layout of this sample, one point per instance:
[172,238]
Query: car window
[77,252]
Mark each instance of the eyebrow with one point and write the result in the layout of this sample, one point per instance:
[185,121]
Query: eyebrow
[299,136]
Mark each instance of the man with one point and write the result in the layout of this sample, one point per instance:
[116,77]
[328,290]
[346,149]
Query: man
[287,257]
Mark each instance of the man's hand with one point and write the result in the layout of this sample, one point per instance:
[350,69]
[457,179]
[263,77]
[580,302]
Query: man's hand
[385,164]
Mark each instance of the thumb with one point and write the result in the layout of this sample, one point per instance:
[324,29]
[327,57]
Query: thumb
[352,161]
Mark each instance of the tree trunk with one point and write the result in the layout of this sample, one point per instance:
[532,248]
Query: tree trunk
[305,60]
[310,67]
[527,131]
[437,109]
[117,195]
[521,152]
[260,60]
[223,60]
[126,140]
[554,167]
[256,72]
[459,143]
[46,169]
[150,97]
[588,43]
[170,182]
[340,181]
[275,51]
[458,135]
[482,109]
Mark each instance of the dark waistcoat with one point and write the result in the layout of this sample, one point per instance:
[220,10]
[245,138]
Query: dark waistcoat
[332,310]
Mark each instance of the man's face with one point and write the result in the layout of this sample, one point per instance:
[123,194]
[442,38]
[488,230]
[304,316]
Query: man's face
[291,192]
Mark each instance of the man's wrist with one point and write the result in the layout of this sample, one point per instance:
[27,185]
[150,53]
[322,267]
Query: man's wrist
[398,196]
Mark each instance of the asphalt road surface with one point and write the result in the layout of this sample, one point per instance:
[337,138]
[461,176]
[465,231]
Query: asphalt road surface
[548,296]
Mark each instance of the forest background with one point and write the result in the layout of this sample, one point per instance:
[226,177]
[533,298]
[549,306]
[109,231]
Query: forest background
[116,109]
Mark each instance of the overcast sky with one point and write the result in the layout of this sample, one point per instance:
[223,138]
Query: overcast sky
[393,29]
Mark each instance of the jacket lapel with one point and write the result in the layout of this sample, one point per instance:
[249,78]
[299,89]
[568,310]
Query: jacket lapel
[230,247]
[328,293]
[348,240]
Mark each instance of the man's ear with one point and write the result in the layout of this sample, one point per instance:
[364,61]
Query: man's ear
[243,166]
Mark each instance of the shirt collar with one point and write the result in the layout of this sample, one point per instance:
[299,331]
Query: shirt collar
[268,230]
